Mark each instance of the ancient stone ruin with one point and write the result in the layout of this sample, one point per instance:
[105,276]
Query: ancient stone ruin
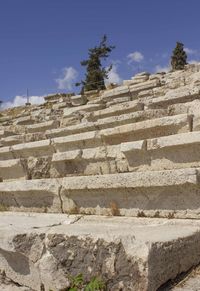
[106,184]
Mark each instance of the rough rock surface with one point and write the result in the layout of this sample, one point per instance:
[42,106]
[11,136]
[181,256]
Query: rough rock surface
[43,249]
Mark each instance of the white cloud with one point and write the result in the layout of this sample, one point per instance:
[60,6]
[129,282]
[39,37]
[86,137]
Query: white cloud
[193,62]
[113,75]
[69,75]
[21,101]
[135,57]
[190,51]
[159,69]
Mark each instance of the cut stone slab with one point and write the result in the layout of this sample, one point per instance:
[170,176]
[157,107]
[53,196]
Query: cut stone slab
[24,120]
[169,193]
[135,89]
[33,149]
[167,152]
[146,129]
[190,283]
[40,195]
[12,140]
[182,139]
[179,95]
[153,194]
[118,101]
[78,100]
[43,126]
[121,91]
[125,107]
[12,169]
[5,133]
[107,122]
[77,141]
[127,253]
[68,112]
[6,153]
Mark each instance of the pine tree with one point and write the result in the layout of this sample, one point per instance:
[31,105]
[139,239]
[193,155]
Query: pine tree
[179,57]
[95,73]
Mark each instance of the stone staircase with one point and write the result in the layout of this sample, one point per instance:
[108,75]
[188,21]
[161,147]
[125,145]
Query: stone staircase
[106,185]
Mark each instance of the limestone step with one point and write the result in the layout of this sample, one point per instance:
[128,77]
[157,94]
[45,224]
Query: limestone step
[103,123]
[5,132]
[124,133]
[169,152]
[192,107]
[179,95]
[108,122]
[116,93]
[127,253]
[118,101]
[114,110]
[68,112]
[22,138]
[150,84]
[11,140]
[42,126]
[12,170]
[42,130]
[169,193]
[129,132]
[147,129]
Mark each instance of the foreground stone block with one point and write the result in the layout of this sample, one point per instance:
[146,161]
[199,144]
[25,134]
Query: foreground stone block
[127,253]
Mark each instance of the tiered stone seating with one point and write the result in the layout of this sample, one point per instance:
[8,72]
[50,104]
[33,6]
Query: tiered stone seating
[132,151]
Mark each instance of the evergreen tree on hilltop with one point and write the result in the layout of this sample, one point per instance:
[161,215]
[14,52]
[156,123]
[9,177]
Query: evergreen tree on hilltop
[179,57]
[95,73]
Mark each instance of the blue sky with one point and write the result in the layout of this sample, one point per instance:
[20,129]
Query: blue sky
[43,41]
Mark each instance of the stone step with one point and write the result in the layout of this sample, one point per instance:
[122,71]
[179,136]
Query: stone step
[107,122]
[179,95]
[23,138]
[147,129]
[42,126]
[5,132]
[143,253]
[12,170]
[42,130]
[124,133]
[169,152]
[11,140]
[118,100]
[69,112]
[116,93]
[129,132]
[150,84]
[169,193]
[116,110]
[103,123]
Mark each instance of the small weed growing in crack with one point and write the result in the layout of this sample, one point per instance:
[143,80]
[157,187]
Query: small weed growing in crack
[77,283]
